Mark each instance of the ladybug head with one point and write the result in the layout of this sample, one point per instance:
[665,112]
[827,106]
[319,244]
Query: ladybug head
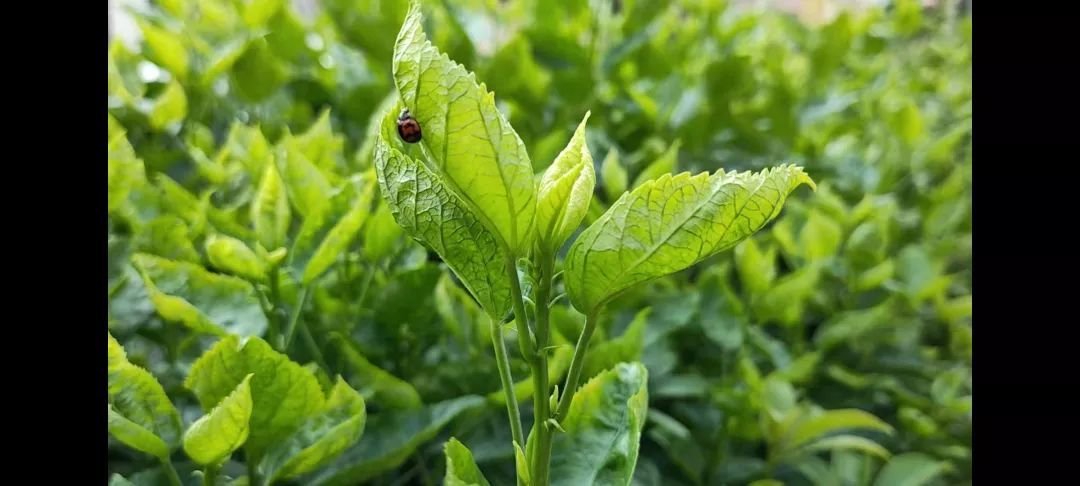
[405,115]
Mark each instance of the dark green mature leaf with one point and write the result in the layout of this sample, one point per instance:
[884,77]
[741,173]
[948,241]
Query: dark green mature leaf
[434,215]
[204,301]
[466,138]
[390,438]
[669,224]
[283,393]
[603,429]
[140,413]
[214,436]
[322,438]
[461,469]
[565,191]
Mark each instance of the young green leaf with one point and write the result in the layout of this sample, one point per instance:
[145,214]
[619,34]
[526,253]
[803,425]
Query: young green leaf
[384,389]
[140,413]
[910,469]
[166,236]
[814,427]
[283,393]
[461,469]
[166,48]
[565,191]
[846,442]
[668,224]
[322,438]
[136,436]
[613,175]
[270,210]
[169,108]
[326,234]
[204,301]
[233,256]
[390,439]
[308,187]
[382,234]
[434,215]
[603,429]
[215,436]
[471,143]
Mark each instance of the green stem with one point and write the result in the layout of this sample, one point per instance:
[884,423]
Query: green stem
[525,341]
[275,304]
[208,475]
[313,348]
[542,453]
[575,366]
[170,471]
[507,381]
[253,472]
[295,317]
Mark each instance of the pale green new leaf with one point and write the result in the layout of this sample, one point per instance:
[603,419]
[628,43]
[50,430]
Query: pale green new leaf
[233,256]
[382,388]
[910,469]
[466,138]
[270,210]
[322,438]
[668,224]
[204,301]
[566,189]
[461,468]
[326,234]
[390,439]
[140,413]
[603,429]
[816,426]
[283,393]
[215,436]
[434,215]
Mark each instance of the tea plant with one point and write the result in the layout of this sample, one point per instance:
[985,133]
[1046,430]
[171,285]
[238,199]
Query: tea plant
[253,164]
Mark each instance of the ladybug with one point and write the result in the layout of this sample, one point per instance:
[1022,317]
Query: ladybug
[407,127]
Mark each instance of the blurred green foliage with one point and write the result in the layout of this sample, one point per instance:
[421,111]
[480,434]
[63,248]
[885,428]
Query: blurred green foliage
[240,202]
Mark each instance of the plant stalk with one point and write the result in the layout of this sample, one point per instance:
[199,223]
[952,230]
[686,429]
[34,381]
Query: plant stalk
[542,453]
[294,319]
[575,366]
[507,381]
[170,471]
[209,474]
[525,340]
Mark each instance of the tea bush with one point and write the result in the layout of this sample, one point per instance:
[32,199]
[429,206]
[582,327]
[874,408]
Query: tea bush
[284,307]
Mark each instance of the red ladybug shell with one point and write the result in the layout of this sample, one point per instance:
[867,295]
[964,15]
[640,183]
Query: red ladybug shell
[408,128]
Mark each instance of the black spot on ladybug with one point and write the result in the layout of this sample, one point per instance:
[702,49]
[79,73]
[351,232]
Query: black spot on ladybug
[407,127]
